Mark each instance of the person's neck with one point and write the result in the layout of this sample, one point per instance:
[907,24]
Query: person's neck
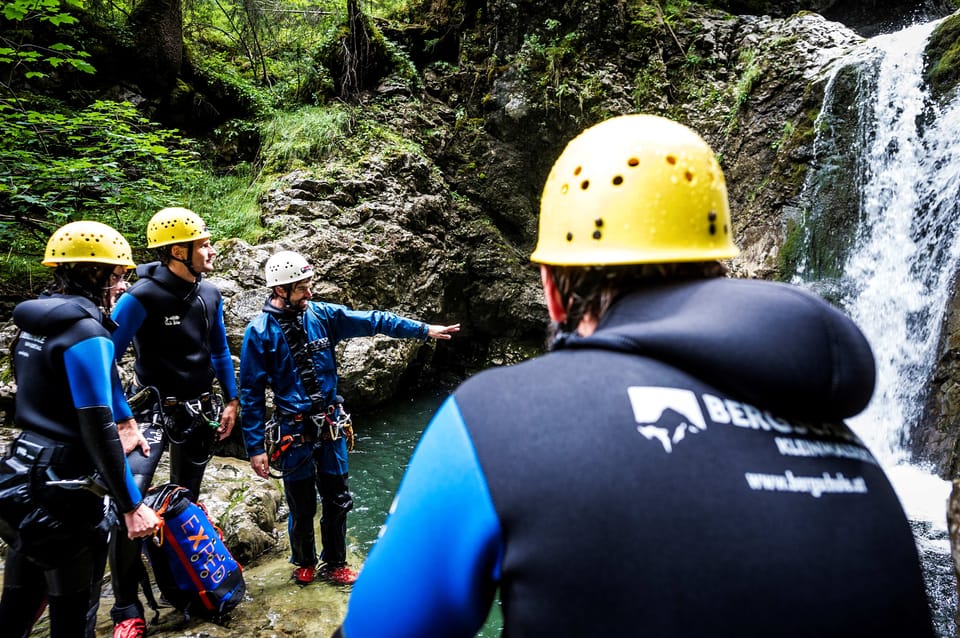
[587,325]
[280,303]
[180,270]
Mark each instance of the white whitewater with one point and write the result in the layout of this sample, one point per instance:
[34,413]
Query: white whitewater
[897,278]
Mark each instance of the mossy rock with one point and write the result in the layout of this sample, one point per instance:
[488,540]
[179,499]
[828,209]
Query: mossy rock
[942,64]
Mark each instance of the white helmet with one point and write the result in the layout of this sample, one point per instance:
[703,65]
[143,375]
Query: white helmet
[286,267]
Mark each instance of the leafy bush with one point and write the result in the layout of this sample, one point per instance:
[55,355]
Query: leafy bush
[105,162]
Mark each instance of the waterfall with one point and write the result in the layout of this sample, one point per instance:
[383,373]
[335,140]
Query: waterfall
[894,278]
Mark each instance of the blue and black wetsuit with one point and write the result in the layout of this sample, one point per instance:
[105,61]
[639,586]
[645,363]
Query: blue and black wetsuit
[177,331]
[318,466]
[684,471]
[65,406]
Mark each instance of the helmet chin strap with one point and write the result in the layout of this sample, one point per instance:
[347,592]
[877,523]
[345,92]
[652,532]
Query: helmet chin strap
[287,306]
[188,262]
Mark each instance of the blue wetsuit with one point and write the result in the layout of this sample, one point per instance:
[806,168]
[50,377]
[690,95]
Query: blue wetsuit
[312,465]
[65,368]
[684,471]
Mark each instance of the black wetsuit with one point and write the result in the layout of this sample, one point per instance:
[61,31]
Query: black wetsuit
[683,472]
[65,372]
[177,330]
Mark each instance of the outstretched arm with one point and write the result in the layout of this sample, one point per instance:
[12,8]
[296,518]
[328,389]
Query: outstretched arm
[442,332]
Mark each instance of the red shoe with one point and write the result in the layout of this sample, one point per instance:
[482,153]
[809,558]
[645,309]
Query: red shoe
[303,576]
[342,575]
[130,628]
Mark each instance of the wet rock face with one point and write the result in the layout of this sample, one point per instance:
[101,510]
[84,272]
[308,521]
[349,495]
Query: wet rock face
[872,17]
[866,17]
[953,525]
[246,507]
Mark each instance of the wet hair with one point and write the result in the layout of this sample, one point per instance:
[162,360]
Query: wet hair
[90,280]
[592,290]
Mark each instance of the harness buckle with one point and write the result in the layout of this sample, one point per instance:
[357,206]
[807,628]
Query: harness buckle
[89,483]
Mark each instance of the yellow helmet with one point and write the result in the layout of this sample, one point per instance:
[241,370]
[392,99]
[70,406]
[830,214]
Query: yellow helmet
[87,241]
[175,226]
[634,189]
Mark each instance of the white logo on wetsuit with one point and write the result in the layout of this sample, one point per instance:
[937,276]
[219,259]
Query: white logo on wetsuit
[171,320]
[33,342]
[666,414]
[670,414]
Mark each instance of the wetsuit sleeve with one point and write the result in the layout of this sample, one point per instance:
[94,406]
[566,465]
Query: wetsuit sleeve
[89,364]
[253,384]
[129,314]
[434,570]
[120,407]
[220,357]
[348,323]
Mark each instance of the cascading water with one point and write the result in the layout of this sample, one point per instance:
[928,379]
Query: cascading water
[902,155]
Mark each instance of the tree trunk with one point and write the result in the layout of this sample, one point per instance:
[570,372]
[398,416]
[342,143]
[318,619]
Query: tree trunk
[157,29]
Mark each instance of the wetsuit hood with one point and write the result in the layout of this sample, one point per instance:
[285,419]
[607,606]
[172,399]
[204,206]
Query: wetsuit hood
[774,345]
[166,278]
[48,314]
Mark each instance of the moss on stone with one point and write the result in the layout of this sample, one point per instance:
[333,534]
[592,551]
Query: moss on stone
[942,57]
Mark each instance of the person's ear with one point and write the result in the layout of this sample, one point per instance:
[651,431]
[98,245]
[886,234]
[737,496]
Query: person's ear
[280,291]
[178,252]
[555,305]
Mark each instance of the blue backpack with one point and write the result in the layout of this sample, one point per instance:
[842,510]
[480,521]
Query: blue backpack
[194,570]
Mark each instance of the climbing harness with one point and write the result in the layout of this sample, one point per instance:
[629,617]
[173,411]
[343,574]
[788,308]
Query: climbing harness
[35,517]
[337,423]
[327,426]
[201,413]
[277,444]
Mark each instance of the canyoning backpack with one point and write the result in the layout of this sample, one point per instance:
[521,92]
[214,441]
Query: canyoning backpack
[193,569]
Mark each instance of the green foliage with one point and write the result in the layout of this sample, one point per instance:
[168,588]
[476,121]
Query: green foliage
[220,74]
[785,135]
[307,135]
[229,203]
[544,58]
[35,59]
[943,57]
[104,162]
[749,62]
[265,53]
[324,135]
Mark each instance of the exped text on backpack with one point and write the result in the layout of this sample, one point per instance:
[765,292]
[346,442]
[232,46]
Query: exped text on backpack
[194,570]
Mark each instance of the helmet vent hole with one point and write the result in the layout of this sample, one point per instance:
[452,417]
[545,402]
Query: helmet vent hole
[598,222]
[688,176]
[617,180]
[569,236]
[633,161]
[671,160]
[597,234]
[713,229]
[577,170]
[564,189]
[585,184]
